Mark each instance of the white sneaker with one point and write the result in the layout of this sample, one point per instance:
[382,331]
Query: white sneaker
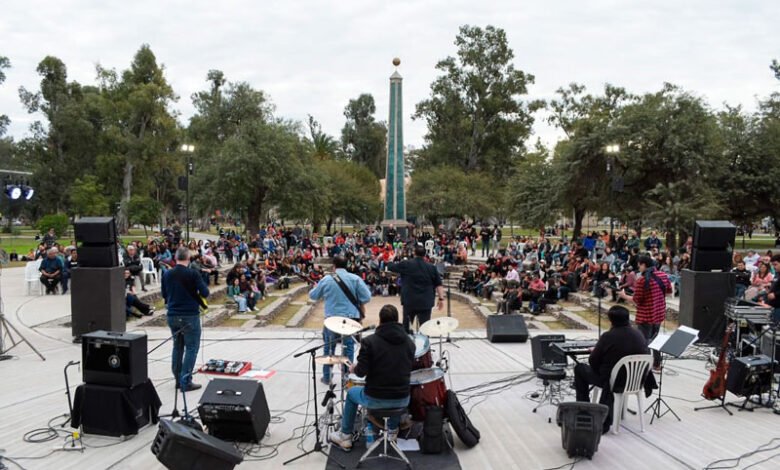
[342,440]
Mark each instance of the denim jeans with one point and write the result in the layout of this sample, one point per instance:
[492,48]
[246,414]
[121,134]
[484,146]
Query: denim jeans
[650,331]
[185,345]
[241,302]
[357,396]
[347,349]
[740,291]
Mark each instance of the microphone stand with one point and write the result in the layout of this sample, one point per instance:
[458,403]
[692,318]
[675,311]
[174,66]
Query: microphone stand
[176,338]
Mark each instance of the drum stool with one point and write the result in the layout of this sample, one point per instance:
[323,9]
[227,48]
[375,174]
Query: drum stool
[551,378]
[385,415]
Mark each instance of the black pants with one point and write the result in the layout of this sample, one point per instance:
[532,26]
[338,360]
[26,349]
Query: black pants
[51,283]
[584,378]
[410,314]
[650,331]
[136,271]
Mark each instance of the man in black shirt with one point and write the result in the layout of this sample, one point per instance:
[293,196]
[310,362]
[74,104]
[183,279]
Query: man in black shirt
[620,341]
[385,360]
[420,282]
[485,235]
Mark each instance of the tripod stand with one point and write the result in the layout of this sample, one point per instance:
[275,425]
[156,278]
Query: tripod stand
[7,329]
[659,402]
[318,441]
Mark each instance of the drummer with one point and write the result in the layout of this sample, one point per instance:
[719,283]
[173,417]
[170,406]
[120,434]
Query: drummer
[385,360]
[338,304]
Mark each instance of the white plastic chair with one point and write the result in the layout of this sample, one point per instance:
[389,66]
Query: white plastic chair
[32,275]
[148,269]
[637,367]
[429,245]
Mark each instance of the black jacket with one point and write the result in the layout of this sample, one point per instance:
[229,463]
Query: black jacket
[614,345]
[419,281]
[385,360]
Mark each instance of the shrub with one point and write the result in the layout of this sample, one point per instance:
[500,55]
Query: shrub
[59,222]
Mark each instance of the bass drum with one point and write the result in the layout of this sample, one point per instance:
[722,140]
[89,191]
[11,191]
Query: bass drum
[428,389]
[422,352]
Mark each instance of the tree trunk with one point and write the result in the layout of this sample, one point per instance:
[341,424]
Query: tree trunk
[329,226]
[671,240]
[254,211]
[579,214]
[123,223]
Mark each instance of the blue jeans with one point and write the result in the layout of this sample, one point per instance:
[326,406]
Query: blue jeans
[347,349]
[185,345]
[357,396]
[740,291]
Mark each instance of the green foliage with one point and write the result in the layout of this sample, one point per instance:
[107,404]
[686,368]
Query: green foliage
[143,210]
[446,191]
[363,140]
[87,197]
[4,121]
[477,120]
[59,222]
[323,146]
[532,196]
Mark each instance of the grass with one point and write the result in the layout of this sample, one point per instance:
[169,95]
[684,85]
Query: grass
[556,325]
[285,315]
[233,323]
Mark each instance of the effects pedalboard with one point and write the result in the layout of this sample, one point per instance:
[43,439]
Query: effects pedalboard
[222,367]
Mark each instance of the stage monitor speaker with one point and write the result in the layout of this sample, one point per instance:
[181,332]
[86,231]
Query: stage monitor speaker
[749,375]
[95,230]
[179,447]
[98,256]
[714,235]
[711,260]
[581,427]
[507,329]
[766,345]
[114,358]
[235,410]
[702,299]
[542,352]
[97,300]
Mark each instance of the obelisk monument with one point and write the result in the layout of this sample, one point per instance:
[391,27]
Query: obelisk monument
[395,200]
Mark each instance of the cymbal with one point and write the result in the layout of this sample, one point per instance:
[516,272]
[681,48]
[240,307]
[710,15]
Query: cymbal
[331,360]
[342,325]
[441,326]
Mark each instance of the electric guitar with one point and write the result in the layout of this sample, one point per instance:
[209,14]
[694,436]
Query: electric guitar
[715,387]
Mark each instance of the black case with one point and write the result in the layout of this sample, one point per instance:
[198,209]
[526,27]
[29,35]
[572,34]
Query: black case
[432,439]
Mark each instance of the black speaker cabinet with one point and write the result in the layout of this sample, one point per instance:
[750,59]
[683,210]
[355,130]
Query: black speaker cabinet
[235,410]
[114,358]
[542,352]
[95,230]
[766,345]
[749,375]
[714,234]
[97,300]
[702,299]
[711,260]
[507,329]
[581,427]
[179,447]
[98,256]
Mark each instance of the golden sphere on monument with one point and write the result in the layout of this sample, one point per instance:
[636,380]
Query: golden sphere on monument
[396,61]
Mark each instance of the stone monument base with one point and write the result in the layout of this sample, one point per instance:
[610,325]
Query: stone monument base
[401,226]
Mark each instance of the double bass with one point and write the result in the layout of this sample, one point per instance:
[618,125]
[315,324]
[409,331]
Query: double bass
[715,387]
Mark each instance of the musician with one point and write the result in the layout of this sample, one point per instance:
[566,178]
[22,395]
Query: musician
[338,304]
[385,360]
[620,341]
[420,281]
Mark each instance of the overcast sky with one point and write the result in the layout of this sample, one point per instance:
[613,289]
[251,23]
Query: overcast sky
[313,56]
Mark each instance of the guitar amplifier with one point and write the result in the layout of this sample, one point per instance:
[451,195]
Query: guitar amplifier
[113,358]
[750,375]
[179,447]
[235,410]
[542,352]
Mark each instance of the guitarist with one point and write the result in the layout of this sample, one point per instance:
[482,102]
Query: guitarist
[345,295]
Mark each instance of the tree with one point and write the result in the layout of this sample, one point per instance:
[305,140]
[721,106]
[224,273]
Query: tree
[446,191]
[323,146]
[532,197]
[4,120]
[141,126]
[477,120]
[143,210]
[87,197]
[363,140]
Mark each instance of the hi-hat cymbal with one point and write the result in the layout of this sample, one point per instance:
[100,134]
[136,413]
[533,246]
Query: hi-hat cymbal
[441,326]
[342,325]
[331,360]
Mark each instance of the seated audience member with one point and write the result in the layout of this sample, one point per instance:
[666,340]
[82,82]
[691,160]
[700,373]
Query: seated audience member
[743,279]
[132,300]
[132,262]
[51,271]
[620,341]
[513,299]
[234,293]
[536,288]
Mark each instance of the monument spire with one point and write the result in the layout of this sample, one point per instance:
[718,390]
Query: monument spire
[395,200]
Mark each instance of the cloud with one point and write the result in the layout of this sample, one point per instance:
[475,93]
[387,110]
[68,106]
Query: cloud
[313,56]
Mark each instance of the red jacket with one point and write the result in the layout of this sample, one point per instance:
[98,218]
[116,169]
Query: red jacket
[650,297]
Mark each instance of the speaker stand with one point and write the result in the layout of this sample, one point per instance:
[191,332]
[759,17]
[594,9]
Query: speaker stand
[7,329]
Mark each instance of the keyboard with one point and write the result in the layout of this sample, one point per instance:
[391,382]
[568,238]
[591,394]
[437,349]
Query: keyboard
[575,348]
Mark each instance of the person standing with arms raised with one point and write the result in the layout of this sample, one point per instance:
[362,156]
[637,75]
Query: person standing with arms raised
[182,289]
[420,282]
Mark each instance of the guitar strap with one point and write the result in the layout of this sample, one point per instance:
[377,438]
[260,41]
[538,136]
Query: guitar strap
[348,293]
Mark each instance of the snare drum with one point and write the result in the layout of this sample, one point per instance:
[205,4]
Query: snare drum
[354,381]
[428,389]
[422,352]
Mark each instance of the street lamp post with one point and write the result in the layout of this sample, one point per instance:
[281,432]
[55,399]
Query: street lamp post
[612,150]
[188,149]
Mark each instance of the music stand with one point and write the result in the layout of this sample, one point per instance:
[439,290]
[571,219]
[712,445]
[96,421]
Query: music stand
[673,345]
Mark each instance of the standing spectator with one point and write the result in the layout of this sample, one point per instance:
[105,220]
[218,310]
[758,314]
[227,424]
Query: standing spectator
[485,235]
[50,238]
[420,283]
[650,289]
[51,271]
[496,238]
[181,288]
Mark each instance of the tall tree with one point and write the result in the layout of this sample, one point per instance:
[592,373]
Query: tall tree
[141,125]
[447,191]
[363,139]
[4,120]
[477,119]
[532,198]
[323,146]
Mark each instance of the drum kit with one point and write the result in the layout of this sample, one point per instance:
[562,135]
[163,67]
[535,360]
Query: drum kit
[428,387]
